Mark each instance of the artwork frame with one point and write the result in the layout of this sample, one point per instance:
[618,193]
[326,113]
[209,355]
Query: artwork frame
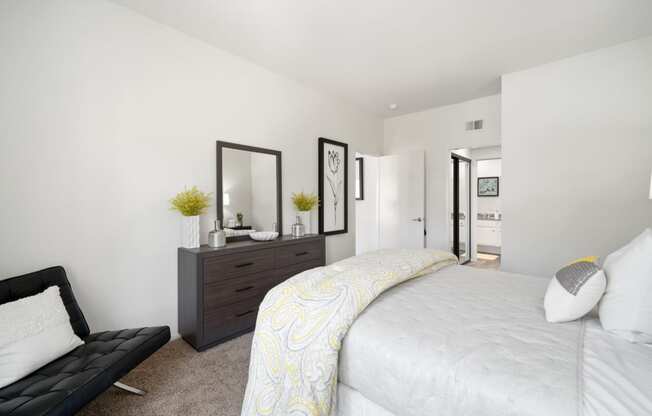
[333,177]
[359,179]
[489,186]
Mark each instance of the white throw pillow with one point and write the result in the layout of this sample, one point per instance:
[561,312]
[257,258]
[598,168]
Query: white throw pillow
[33,331]
[626,308]
[574,291]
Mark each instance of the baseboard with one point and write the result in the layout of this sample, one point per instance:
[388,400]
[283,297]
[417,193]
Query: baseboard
[488,249]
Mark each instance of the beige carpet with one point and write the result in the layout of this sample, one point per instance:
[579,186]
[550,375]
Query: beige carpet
[182,381]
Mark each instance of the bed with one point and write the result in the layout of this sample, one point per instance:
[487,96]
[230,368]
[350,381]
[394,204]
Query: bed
[365,337]
[465,341]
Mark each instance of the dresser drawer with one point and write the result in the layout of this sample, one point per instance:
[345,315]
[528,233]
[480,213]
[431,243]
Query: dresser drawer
[220,289]
[289,271]
[234,265]
[234,290]
[298,253]
[227,320]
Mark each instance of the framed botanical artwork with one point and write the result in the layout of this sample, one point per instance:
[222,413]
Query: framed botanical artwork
[333,187]
[359,178]
[488,186]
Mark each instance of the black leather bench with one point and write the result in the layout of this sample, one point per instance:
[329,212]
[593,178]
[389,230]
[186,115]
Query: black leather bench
[65,385]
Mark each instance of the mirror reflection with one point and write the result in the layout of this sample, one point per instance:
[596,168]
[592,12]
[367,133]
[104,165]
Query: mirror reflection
[249,196]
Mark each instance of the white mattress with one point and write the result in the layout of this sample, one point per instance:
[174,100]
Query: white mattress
[464,341]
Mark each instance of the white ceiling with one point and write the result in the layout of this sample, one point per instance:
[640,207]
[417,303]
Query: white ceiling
[415,53]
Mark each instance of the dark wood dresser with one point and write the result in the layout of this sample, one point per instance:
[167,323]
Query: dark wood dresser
[220,289]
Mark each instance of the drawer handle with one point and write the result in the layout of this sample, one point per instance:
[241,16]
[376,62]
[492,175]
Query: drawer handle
[243,265]
[303,253]
[244,289]
[240,315]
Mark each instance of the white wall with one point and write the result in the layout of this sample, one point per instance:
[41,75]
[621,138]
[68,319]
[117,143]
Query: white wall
[104,116]
[366,210]
[577,153]
[438,131]
[485,153]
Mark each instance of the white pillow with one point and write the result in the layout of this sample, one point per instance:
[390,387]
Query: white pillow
[574,291]
[626,308]
[33,331]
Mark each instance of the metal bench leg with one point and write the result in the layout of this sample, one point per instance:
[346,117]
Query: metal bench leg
[130,389]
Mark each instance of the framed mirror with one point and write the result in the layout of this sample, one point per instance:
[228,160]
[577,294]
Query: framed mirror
[248,195]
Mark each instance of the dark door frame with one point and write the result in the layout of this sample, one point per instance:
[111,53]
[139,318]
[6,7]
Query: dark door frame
[456,205]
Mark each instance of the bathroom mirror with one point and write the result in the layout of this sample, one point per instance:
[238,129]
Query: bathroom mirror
[248,196]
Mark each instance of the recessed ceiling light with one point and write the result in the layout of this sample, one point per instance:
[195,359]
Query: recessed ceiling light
[393,106]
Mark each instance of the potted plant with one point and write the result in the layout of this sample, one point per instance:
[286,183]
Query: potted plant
[191,203]
[304,203]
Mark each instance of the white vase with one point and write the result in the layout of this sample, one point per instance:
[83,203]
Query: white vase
[305,220]
[190,231]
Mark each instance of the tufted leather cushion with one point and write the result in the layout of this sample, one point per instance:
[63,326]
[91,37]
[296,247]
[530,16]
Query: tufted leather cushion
[65,385]
[33,283]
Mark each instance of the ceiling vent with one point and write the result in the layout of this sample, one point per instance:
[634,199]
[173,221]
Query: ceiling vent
[474,125]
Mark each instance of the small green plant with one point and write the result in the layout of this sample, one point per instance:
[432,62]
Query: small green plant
[239,217]
[304,202]
[190,202]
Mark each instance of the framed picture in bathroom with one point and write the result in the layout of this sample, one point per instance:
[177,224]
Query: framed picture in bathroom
[488,186]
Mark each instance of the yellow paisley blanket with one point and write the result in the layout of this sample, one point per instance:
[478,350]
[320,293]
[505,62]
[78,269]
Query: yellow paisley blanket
[302,321]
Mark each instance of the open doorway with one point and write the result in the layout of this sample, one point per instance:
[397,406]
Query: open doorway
[366,203]
[484,241]
[460,216]
[390,201]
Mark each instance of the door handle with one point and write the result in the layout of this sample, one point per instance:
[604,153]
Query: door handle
[417,219]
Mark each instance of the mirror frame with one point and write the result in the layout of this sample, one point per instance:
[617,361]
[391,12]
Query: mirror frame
[219,203]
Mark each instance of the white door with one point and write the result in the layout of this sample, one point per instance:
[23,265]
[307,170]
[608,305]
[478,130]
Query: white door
[401,200]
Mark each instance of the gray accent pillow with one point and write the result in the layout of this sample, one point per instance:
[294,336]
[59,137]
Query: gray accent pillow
[574,291]
[574,276]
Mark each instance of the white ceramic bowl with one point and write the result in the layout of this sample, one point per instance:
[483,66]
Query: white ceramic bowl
[264,235]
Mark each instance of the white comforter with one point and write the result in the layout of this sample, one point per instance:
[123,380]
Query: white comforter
[301,323]
[463,341]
